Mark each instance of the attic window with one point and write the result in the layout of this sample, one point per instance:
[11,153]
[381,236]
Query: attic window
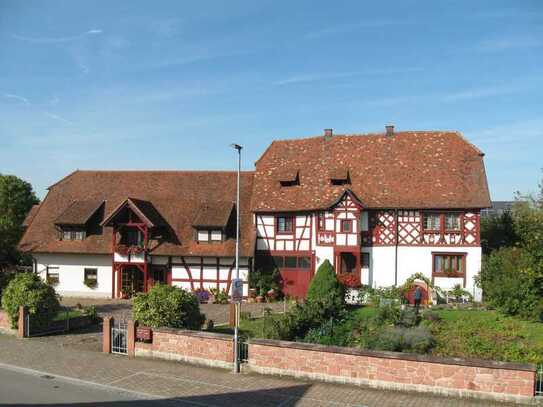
[339,176]
[209,235]
[289,178]
[72,234]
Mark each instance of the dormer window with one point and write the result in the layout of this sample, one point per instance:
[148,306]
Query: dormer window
[72,234]
[206,236]
[339,176]
[288,178]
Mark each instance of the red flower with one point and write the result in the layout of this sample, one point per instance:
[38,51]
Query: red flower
[349,280]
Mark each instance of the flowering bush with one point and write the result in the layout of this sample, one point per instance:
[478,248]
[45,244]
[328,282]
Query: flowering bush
[349,280]
[202,295]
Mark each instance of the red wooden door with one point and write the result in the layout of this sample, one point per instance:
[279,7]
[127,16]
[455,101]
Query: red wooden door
[296,274]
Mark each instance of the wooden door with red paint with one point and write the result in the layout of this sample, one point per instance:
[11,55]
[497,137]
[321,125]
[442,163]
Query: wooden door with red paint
[296,273]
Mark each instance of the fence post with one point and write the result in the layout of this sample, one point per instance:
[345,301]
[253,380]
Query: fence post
[131,340]
[106,341]
[21,323]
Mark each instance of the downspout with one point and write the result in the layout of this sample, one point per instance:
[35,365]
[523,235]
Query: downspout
[396,251]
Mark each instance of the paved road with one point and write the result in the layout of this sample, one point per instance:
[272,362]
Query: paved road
[19,386]
[173,383]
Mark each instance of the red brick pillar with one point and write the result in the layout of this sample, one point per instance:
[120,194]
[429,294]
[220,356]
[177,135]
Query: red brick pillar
[131,340]
[106,341]
[21,323]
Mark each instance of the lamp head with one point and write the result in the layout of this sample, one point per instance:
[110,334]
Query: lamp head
[236,146]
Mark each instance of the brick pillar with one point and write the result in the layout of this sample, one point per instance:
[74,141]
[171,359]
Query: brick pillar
[131,340]
[106,336]
[21,323]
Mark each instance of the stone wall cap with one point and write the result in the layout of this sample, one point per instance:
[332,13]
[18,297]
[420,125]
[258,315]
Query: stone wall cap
[200,334]
[490,364]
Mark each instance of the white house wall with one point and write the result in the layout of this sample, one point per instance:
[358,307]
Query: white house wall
[71,272]
[205,275]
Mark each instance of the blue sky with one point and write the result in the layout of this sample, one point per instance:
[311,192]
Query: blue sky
[169,85]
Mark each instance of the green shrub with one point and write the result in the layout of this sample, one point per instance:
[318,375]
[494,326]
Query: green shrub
[266,279]
[398,339]
[220,296]
[512,282]
[325,287]
[331,333]
[29,290]
[387,315]
[431,316]
[168,306]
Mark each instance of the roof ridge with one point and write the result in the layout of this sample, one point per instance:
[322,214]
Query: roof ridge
[163,171]
[369,134]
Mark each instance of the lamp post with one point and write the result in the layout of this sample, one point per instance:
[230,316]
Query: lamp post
[236,326]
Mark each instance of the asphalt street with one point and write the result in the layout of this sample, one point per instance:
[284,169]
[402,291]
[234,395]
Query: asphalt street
[20,387]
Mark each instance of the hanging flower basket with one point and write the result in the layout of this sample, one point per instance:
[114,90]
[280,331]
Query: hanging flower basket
[122,249]
[349,280]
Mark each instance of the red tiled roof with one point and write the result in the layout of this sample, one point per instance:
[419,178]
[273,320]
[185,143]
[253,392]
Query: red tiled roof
[79,212]
[144,209]
[213,214]
[30,215]
[176,196]
[412,169]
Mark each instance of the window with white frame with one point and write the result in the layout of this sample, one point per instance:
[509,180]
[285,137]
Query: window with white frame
[203,235]
[216,235]
[432,221]
[73,234]
[452,221]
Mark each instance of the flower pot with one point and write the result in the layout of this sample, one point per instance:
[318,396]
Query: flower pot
[260,298]
[252,292]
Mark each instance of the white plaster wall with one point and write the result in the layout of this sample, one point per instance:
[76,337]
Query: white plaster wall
[71,273]
[419,259]
[382,266]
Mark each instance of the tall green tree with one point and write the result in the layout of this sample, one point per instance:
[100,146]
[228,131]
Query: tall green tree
[498,231]
[16,200]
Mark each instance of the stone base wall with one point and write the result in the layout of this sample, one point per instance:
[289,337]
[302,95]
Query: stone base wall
[203,348]
[391,370]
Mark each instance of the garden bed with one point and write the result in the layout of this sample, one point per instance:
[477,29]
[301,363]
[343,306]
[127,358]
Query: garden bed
[466,333]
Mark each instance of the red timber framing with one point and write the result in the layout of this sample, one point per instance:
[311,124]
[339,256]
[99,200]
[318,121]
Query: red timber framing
[408,228]
[200,264]
[300,235]
[133,222]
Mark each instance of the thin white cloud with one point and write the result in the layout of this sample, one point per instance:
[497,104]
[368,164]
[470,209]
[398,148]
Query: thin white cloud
[53,40]
[58,118]
[477,93]
[339,75]
[16,97]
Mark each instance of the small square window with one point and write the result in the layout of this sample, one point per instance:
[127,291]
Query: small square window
[304,262]
[91,277]
[216,235]
[452,221]
[284,224]
[347,226]
[290,262]
[432,221]
[203,235]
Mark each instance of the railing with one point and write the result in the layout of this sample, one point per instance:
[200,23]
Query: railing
[243,351]
[539,381]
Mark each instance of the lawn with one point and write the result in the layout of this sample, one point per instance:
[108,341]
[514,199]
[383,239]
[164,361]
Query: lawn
[467,333]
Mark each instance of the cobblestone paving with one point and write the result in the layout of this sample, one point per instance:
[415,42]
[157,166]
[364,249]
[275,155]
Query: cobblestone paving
[182,384]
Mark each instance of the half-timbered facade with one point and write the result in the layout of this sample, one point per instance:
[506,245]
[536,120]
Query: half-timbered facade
[117,233]
[379,207]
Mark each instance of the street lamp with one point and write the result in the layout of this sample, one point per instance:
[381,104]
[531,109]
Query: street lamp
[236,302]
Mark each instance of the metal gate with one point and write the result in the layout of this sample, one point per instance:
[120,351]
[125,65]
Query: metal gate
[539,381]
[119,337]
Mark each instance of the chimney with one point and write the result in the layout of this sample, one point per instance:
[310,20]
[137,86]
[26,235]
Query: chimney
[328,133]
[389,130]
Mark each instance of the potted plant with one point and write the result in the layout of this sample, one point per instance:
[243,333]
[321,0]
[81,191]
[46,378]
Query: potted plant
[122,249]
[203,295]
[260,297]
[91,283]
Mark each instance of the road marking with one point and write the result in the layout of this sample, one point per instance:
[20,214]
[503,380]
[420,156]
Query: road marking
[126,377]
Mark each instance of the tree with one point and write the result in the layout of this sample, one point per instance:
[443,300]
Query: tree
[29,290]
[16,200]
[498,231]
[326,287]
